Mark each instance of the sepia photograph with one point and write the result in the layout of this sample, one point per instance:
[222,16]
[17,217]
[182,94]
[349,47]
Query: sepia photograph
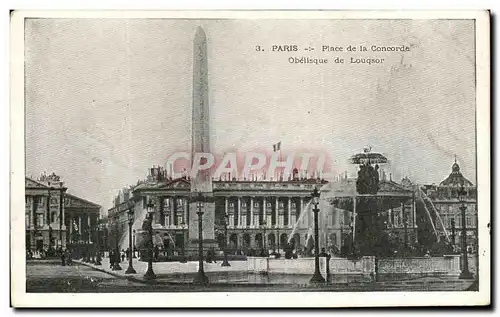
[322,159]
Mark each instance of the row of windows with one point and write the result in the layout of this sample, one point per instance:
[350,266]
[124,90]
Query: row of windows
[268,205]
[454,208]
[40,219]
[470,221]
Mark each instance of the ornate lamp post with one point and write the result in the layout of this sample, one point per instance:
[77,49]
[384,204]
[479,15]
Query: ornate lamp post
[133,251]
[341,242]
[351,240]
[92,245]
[130,214]
[406,234]
[150,275]
[453,231]
[98,258]
[200,278]
[225,262]
[264,225]
[183,250]
[465,274]
[50,236]
[317,277]
[86,257]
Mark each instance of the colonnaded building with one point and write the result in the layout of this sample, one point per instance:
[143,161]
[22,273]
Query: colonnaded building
[271,214]
[267,214]
[55,218]
[445,199]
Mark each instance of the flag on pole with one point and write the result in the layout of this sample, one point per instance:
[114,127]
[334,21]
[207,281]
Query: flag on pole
[277,146]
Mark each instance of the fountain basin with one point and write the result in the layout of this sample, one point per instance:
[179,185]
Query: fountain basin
[367,266]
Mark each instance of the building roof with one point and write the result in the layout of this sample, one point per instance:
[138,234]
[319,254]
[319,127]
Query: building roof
[455,179]
[69,199]
[74,201]
[31,183]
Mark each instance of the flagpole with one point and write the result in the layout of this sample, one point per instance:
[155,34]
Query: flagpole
[281,174]
[281,159]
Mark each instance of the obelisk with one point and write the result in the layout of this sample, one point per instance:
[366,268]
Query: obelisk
[201,183]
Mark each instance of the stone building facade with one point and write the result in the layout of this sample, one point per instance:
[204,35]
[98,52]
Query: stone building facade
[55,218]
[444,197]
[260,214]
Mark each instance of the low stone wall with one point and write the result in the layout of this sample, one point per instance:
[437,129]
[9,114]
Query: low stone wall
[445,265]
[363,266]
[285,266]
[366,266]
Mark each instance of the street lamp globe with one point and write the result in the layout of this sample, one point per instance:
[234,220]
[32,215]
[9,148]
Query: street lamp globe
[315,196]
[130,214]
[465,274]
[200,202]
[150,275]
[200,277]
[150,207]
[317,277]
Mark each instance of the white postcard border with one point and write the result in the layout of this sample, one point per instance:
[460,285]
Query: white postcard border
[239,299]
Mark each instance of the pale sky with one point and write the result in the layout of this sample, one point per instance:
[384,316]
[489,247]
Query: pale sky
[107,99]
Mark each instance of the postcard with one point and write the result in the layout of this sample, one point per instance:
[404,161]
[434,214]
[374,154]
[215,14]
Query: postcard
[250,158]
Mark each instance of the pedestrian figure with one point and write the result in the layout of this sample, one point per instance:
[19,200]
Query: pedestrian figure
[324,254]
[111,258]
[157,252]
[63,259]
[213,255]
[123,255]
[69,257]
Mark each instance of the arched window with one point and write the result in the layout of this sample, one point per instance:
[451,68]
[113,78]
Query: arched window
[233,240]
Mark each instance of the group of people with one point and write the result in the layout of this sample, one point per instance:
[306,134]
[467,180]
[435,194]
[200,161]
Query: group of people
[116,256]
[66,257]
[63,254]
[211,256]
[37,254]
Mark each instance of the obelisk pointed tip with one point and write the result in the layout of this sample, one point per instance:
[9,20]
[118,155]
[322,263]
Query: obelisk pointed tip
[200,32]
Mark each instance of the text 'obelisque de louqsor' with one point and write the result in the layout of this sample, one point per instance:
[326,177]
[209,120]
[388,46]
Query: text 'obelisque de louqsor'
[201,183]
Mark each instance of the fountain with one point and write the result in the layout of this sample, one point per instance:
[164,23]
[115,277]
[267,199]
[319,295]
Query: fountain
[140,233]
[367,199]
[300,220]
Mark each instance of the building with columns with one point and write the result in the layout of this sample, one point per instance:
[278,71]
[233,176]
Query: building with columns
[55,218]
[260,214]
[444,198]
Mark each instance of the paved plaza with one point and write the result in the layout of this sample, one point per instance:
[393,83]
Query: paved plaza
[178,276]
[167,269]
[50,276]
